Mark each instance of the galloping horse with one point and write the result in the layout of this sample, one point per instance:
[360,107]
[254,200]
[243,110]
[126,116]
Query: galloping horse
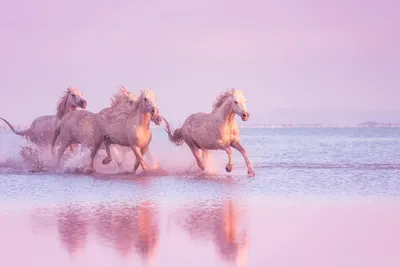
[42,128]
[216,130]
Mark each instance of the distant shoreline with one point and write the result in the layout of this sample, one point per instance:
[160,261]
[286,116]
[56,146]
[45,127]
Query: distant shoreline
[281,126]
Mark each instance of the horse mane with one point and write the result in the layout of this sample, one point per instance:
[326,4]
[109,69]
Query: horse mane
[223,96]
[114,113]
[62,104]
[120,97]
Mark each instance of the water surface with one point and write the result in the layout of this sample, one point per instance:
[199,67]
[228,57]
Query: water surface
[321,197]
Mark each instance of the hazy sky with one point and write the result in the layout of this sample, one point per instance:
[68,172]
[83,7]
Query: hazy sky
[309,55]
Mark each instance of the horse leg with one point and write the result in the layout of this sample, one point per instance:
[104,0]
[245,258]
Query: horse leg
[205,156]
[93,154]
[237,145]
[108,159]
[61,151]
[123,156]
[136,166]
[139,159]
[229,166]
[196,154]
[137,162]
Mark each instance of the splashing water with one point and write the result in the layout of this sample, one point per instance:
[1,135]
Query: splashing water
[164,156]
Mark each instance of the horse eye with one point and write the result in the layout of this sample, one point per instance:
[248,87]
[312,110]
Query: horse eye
[236,102]
[145,99]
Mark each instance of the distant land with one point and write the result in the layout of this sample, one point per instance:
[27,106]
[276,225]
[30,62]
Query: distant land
[327,117]
[320,125]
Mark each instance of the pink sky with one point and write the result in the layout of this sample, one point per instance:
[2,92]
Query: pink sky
[308,55]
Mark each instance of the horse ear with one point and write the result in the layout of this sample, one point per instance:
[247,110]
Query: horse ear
[141,91]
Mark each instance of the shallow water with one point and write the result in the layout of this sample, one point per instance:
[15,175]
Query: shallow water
[321,197]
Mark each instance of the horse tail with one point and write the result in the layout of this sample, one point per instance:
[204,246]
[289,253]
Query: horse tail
[21,133]
[55,135]
[173,136]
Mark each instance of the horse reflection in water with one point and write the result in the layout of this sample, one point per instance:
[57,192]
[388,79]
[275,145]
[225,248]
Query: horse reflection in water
[220,224]
[73,228]
[128,227]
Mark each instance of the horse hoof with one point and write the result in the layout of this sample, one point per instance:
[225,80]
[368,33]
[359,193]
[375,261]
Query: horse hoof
[145,168]
[251,173]
[229,167]
[106,161]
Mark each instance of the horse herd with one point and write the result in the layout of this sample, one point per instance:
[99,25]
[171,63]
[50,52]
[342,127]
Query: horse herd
[126,123]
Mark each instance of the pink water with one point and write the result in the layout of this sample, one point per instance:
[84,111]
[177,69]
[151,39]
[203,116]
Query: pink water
[321,197]
[230,232]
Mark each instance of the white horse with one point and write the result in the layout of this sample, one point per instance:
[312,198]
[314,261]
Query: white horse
[123,98]
[131,128]
[42,128]
[216,130]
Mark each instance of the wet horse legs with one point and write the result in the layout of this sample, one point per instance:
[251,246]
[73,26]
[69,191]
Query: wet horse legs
[61,151]
[240,148]
[139,158]
[205,156]
[137,162]
[93,153]
[196,154]
[108,159]
[229,166]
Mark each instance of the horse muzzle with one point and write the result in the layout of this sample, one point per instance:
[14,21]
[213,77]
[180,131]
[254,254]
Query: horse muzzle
[83,104]
[154,112]
[245,116]
[157,119]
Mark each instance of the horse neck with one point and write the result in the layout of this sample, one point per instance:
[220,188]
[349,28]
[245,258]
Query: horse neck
[65,108]
[225,111]
[142,118]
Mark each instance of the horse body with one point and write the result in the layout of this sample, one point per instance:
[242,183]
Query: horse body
[214,131]
[80,127]
[200,128]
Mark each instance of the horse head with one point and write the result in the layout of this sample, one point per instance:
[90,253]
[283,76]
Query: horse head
[238,104]
[75,99]
[149,103]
